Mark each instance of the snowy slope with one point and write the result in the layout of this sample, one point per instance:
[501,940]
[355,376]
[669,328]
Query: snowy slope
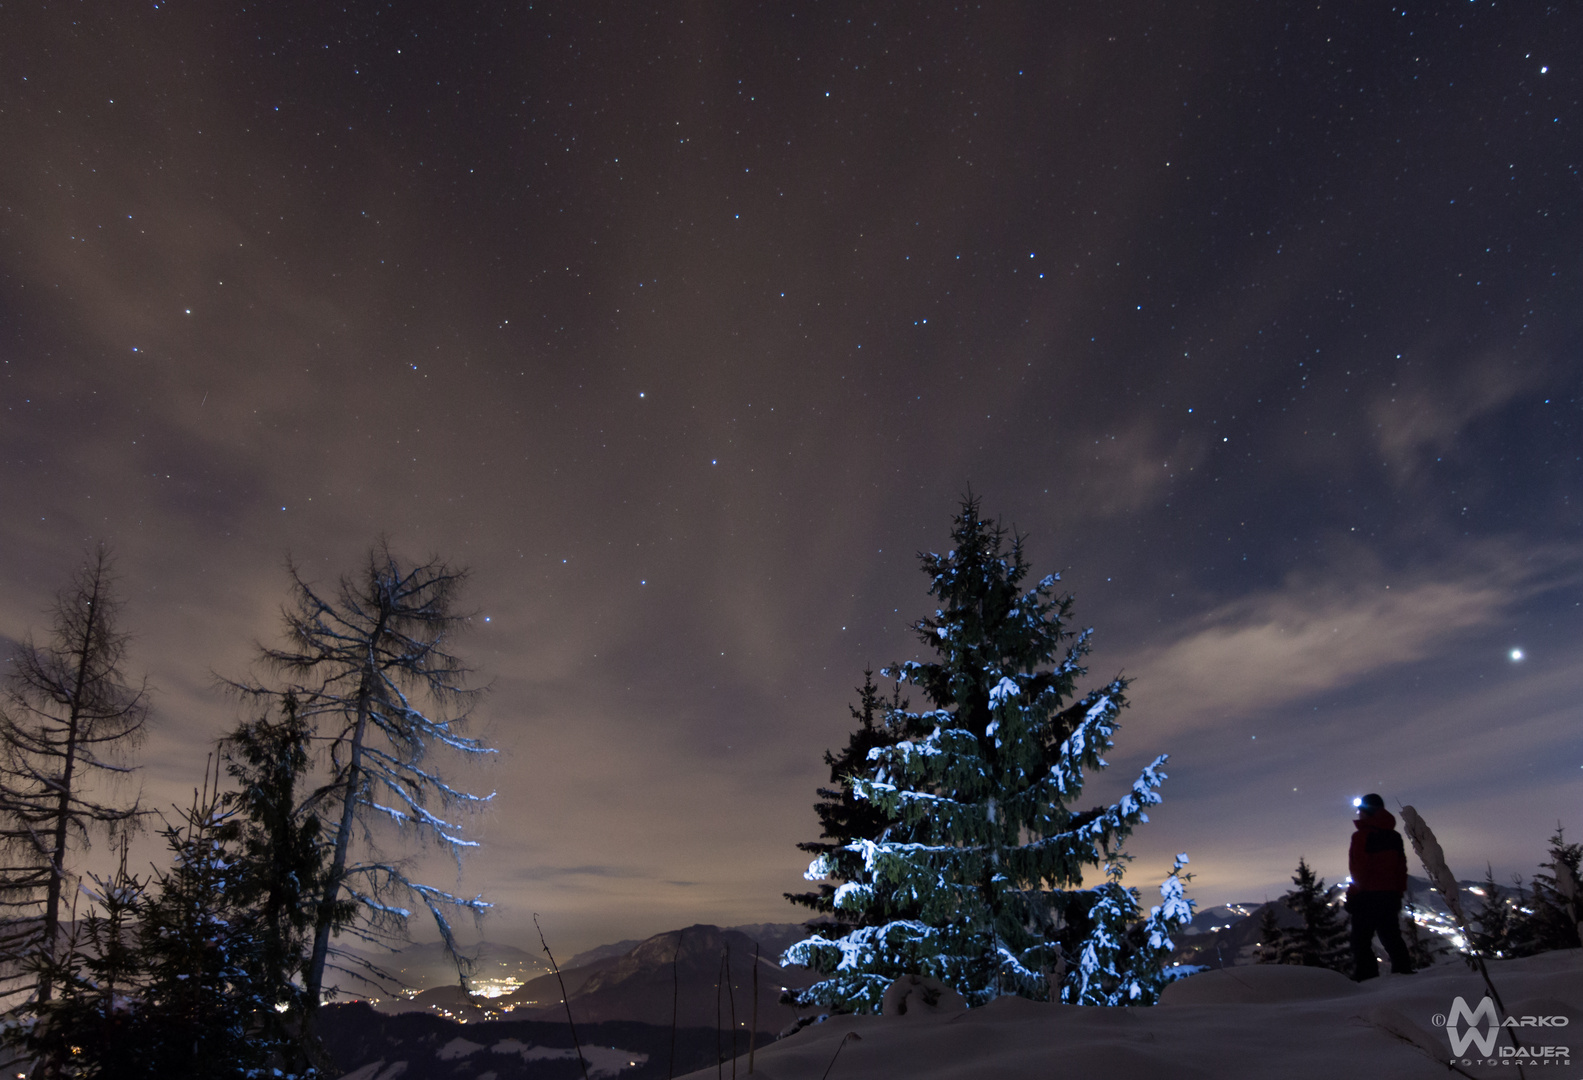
[1248,1023]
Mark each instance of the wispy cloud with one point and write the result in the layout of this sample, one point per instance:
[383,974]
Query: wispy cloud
[1124,470]
[1416,418]
[1311,636]
[599,870]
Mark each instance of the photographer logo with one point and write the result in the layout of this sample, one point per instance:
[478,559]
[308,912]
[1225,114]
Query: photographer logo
[1480,1029]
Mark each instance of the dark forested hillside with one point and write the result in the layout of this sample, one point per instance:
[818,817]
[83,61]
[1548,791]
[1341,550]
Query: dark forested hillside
[365,1044]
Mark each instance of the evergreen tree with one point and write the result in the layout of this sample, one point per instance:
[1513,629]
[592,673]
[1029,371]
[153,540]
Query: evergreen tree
[990,855]
[1424,950]
[1496,928]
[282,850]
[183,974]
[1556,918]
[1321,940]
[196,939]
[844,817]
[89,1026]
[1271,937]
[67,714]
[373,675]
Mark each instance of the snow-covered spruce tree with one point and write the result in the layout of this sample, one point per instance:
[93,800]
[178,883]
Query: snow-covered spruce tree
[167,978]
[1555,920]
[372,675]
[283,865]
[95,973]
[1270,937]
[989,852]
[1321,939]
[199,1008]
[68,716]
[844,817]
[1497,927]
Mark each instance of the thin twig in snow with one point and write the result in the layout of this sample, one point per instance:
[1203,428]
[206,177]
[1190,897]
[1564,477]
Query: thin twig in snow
[670,1070]
[855,1037]
[565,998]
[753,1034]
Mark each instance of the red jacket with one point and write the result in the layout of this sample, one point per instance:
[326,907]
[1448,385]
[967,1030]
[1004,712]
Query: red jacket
[1377,860]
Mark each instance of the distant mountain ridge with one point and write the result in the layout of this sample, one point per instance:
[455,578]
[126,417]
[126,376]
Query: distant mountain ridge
[603,952]
[681,972]
[366,1045]
[643,981]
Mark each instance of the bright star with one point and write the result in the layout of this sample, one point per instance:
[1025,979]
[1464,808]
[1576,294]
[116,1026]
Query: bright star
[1517,654]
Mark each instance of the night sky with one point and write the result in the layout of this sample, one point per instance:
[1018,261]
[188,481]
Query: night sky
[688,329]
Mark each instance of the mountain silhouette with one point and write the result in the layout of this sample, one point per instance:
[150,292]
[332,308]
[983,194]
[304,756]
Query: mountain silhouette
[681,969]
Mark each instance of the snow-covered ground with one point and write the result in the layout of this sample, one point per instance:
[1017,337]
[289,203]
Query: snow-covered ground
[1247,1022]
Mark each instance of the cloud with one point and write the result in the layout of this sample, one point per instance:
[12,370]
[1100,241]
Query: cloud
[1123,472]
[534,873]
[1306,638]
[1416,419]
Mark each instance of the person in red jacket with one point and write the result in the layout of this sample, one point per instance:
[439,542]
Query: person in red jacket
[1378,865]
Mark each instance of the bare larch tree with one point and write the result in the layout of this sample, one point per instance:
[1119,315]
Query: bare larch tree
[372,672]
[68,716]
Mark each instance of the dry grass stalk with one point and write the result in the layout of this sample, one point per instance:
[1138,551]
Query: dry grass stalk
[676,984]
[753,1033]
[1434,862]
[731,996]
[565,998]
[1444,881]
[855,1037]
